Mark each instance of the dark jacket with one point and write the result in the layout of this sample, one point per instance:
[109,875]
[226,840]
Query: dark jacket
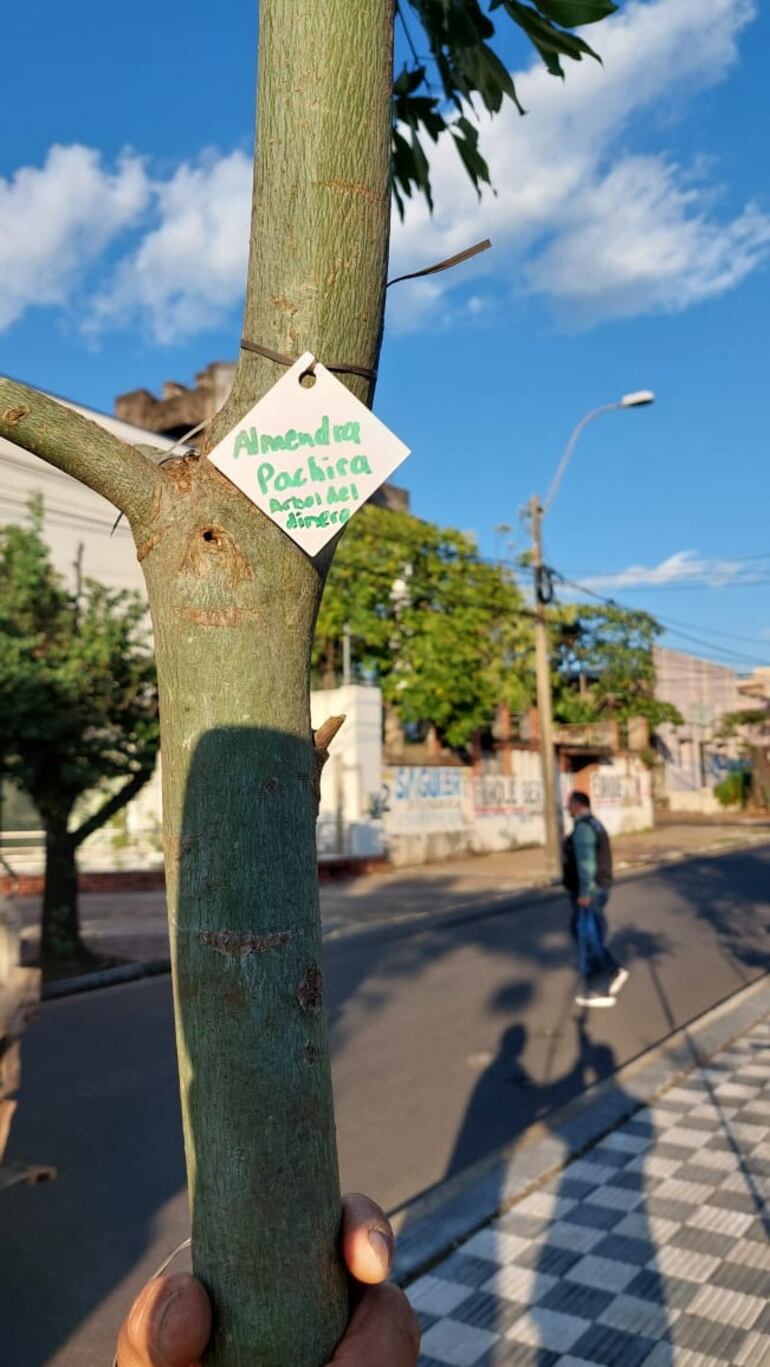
[587,860]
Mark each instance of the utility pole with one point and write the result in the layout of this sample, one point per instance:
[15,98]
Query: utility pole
[544,704]
[640,398]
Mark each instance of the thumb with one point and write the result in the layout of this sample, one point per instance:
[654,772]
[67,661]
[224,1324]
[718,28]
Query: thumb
[167,1326]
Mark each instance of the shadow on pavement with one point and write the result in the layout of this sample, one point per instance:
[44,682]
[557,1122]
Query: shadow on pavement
[576,1270]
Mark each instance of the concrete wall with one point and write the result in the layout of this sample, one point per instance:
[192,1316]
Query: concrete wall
[435,813]
[621,795]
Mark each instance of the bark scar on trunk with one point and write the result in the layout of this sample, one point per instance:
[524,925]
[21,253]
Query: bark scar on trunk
[181,473]
[219,617]
[14,415]
[175,846]
[347,187]
[147,546]
[310,990]
[236,945]
[213,550]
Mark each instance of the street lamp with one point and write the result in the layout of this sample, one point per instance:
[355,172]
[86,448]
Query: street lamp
[640,398]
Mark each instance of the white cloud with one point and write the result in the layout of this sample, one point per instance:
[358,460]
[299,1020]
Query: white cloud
[55,220]
[643,243]
[581,217]
[683,568]
[577,217]
[190,269]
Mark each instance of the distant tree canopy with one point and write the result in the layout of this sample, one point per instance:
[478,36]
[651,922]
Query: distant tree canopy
[448,636]
[611,649]
[442,631]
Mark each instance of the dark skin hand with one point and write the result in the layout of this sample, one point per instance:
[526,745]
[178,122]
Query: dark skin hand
[170,1321]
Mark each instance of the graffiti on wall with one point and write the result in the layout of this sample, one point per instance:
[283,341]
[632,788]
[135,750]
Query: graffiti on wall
[619,789]
[423,798]
[507,795]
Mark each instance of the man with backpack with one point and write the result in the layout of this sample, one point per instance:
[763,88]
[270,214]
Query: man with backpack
[588,880]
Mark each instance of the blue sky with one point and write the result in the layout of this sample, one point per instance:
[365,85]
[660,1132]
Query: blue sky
[631,234]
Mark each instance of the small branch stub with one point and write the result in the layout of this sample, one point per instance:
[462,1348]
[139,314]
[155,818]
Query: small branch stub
[322,739]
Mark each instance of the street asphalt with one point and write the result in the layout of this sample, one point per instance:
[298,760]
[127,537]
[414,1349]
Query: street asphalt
[449,1038]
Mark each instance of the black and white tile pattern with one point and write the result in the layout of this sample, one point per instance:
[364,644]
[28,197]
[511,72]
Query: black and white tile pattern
[651,1250]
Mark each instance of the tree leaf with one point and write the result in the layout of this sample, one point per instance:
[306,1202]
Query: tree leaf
[575,13]
[546,36]
[458,41]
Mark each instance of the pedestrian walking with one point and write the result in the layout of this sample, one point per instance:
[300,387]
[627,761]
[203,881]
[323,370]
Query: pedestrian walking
[588,880]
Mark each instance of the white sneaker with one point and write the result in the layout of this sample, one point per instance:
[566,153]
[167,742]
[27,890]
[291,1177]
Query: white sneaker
[594,999]
[618,982]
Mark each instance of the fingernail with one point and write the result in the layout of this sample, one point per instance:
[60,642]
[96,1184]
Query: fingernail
[382,1244]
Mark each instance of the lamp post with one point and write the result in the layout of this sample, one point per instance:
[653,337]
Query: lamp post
[551,805]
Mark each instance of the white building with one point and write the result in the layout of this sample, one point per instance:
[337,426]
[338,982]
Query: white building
[74,515]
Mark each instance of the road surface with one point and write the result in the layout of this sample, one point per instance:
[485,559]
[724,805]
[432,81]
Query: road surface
[449,1035]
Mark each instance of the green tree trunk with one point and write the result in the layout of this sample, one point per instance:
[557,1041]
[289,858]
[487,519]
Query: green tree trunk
[233,605]
[60,928]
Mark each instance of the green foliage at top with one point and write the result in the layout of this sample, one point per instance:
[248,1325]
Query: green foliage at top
[454,70]
[612,648]
[78,704]
[441,631]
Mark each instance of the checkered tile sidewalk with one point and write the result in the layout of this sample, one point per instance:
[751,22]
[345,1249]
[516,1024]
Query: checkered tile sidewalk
[651,1250]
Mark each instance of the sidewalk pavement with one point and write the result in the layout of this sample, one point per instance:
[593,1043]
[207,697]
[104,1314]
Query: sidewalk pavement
[649,1249]
[132,925]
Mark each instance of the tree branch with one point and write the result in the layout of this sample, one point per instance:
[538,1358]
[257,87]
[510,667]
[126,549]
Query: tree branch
[322,739]
[80,448]
[110,808]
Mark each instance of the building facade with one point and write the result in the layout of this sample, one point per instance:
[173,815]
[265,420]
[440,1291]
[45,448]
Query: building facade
[697,755]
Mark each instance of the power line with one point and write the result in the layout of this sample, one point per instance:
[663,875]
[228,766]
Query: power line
[709,645]
[60,514]
[724,559]
[715,631]
[684,586]
[672,621]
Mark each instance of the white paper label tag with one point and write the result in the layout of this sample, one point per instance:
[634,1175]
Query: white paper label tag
[309,457]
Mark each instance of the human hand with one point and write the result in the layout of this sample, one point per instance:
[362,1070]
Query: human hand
[584,901]
[170,1321]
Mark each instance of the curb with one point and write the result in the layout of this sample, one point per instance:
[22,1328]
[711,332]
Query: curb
[431,1226]
[105,977]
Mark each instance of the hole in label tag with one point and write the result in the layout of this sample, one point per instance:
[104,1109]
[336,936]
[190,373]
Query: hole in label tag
[307,379]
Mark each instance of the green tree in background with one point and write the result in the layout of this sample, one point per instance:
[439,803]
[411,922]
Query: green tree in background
[603,664]
[440,630]
[78,712]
